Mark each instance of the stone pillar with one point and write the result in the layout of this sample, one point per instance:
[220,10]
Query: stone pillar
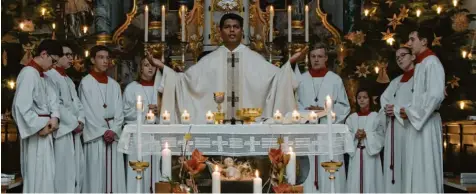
[246,21]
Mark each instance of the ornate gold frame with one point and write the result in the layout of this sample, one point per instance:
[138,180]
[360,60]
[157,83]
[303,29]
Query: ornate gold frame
[336,37]
[129,17]
[214,32]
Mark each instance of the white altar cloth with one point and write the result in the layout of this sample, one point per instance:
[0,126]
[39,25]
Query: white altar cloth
[237,140]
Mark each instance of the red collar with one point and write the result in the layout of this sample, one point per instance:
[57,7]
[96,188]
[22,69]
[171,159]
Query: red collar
[423,55]
[364,112]
[61,71]
[100,77]
[37,67]
[146,83]
[407,75]
[319,72]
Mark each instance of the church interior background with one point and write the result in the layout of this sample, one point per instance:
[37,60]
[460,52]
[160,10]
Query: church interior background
[362,36]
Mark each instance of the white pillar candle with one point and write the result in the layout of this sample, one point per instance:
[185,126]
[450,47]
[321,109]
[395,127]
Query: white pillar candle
[257,183]
[271,19]
[139,125]
[291,167]
[163,24]
[185,117]
[306,23]
[289,25]
[312,117]
[166,162]
[146,23]
[278,117]
[166,117]
[150,117]
[210,117]
[329,125]
[139,103]
[216,181]
[182,10]
[296,117]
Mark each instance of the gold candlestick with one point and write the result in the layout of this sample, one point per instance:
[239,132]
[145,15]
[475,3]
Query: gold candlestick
[219,97]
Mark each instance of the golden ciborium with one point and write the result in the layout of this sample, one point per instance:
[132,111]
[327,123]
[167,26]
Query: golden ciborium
[249,115]
[219,97]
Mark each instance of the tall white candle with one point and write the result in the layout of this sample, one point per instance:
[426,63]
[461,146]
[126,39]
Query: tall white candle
[216,181]
[163,24]
[271,20]
[166,162]
[139,126]
[146,24]
[289,25]
[291,167]
[257,183]
[329,125]
[306,23]
[182,9]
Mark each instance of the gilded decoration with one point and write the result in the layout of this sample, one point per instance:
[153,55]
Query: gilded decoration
[259,26]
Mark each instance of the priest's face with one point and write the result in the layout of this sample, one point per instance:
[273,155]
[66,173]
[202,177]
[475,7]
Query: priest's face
[101,61]
[363,100]
[416,44]
[147,70]
[318,58]
[404,59]
[67,60]
[231,32]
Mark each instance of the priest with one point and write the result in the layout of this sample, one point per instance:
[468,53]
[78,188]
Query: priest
[102,102]
[423,168]
[314,86]
[69,154]
[245,77]
[36,113]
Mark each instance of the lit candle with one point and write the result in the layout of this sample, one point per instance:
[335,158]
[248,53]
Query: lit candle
[257,183]
[86,53]
[22,25]
[166,162]
[306,23]
[166,117]
[464,54]
[185,117]
[376,70]
[278,117]
[210,117]
[291,167]
[182,9]
[271,20]
[139,103]
[418,13]
[438,9]
[461,105]
[329,125]
[43,11]
[216,181]
[455,3]
[296,117]
[85,29]
[146,24]
[54,26]
[312,117]
[366,12]
[150,117]
[139,126]
[289,25]
[163,24]
[11,84]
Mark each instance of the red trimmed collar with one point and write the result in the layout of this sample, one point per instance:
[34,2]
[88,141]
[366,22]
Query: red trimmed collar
[37,67]
[146,83]
[364,112]
[101,77]
[318,72]
[61,71]
[407,75]
[423,55]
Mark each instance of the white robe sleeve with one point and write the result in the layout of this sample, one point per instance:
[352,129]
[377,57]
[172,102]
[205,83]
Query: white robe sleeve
[385,99]
[68,121]
[53,100]
[94,125]
[419,112]
[341,105]
[374,136]
[353,129]
[28,121]
[77,102]
[129,102]
[116,125]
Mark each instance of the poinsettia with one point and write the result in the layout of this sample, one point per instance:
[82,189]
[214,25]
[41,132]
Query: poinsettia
[279,160]
[196,164]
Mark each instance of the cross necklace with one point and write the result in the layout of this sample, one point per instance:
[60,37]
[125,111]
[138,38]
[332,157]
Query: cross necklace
[319,90]
[102,96]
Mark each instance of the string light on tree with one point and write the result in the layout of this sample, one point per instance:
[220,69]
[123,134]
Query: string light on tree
[85,29]
[464,54]
[461,105]
[54,26]
[86,53]
[376,70]
[22,26]
[366,12]
[438,9]
[390,41]
[11,84]
[43,11]
[455,3]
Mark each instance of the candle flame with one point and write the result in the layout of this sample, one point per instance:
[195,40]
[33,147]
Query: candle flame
[86,53]
[455,3]
[306,8]
[138,98]
[22,25]
[11,84]
[150,112]
[438,9]
[85,29]
[376,70]
[418,13]
[53,25]
[43,11]
[271,9]
[366,12]
[461,105]
[290,149]
[146,8]
[166,145]
[289,8]
[257,174]
[216,168]
[464,54]
[444,144]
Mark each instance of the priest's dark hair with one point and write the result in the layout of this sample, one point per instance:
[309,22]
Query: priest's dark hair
[93,51]
[425,32]
[372,105]
[52,47]
[232,16]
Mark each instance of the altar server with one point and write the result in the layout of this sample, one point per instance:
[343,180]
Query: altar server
[144,87]
[35,110]
[102,103]
[69,154]
[398,94]
[365,167]
[423,168]
[314,86]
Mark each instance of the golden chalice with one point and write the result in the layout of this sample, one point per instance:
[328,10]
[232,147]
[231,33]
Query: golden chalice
[249,115]
[219,97]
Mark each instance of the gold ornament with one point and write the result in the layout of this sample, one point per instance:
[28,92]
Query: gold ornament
[454,82]
[403,13]
[362,70]
[357,38]
[436,40]
[78,64]
[387,35]
[382,73]
[188,136]
[460,22]
[389,2]
[280,140]
[395,21]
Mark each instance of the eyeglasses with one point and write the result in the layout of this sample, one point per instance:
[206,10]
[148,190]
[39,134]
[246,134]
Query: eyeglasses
[68,54]
[53,60]
[402,55]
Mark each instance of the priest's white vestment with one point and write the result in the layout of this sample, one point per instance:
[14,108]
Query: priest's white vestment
[423,171]
[33,103]
[400,95]
[104,164]
[310,88]
[69,155]
[149,96]
[256,83]
[365,166]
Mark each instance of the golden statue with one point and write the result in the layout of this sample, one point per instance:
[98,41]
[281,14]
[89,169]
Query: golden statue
[194,27]
[258,26]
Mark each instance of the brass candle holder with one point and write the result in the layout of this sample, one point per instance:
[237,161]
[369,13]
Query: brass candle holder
[156,49]
[139,167]
[332,167]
